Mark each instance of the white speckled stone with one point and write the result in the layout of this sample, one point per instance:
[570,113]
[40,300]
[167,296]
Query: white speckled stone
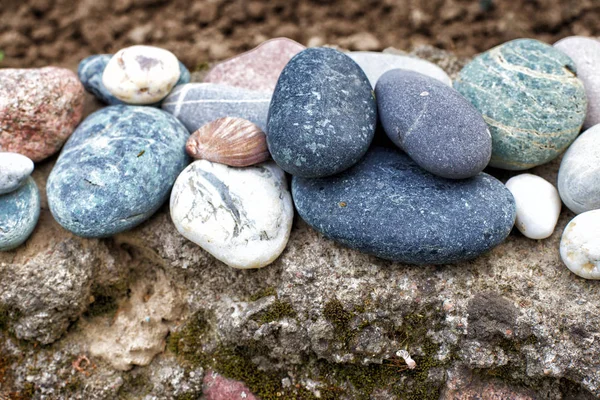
[538,205]
[585,53]
[242,216]
[141,74]
[579,173]
[580,245]
[14,169]
[375,64]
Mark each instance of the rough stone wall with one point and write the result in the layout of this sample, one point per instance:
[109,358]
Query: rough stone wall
[142,315]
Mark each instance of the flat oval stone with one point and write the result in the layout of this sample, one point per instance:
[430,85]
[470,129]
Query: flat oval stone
[389,207]
[375,64]
[579,173]
[257,69]
[580,245]
[531,98]
[538,205]
[90,74]
[39,109]
[141,74]
[585,53]
[323,114]
[116,170]
[242,216]
[436,126]
[19,213]
[14,169]
[197,104]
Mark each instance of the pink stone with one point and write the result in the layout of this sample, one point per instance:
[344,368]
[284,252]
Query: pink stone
[39,109]
[257,69]
[217,387]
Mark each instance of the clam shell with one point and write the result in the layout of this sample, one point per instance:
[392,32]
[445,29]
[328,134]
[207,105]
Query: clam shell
[231,141]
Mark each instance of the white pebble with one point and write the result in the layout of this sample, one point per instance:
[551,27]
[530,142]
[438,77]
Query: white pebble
[242,216]
[538,205]
[141,74]
[14,169]
[580,245]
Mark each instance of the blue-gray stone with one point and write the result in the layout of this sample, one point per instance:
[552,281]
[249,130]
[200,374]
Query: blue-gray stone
[116,169]
[323,114]
[436,126]
[388,206]
[531,98]
[197,104]
[90,74]
[19,213]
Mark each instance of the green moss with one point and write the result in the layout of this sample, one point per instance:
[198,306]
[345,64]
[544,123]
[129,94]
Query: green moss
[187,342]
[275,312]
[202,66]
[4,318]
[334,312]
[188,396]
[135,386]
[268,291]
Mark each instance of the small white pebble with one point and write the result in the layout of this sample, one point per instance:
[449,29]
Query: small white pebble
[538,205]
[407,359]
[141,74]
[14,169]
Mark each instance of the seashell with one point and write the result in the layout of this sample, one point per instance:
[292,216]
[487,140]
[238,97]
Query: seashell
[231,141]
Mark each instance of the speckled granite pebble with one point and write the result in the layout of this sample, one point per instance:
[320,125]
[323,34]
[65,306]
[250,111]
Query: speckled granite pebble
[242,216]
[585,53]
[116,170]
[323,114]
[197,104]
[19,213]
[14,169]
[580,245]
[389,207]
[39,109]
[90,73]
[257,69]
[579,173]
[531,98]
[375,64]
[436,126]
[141,74]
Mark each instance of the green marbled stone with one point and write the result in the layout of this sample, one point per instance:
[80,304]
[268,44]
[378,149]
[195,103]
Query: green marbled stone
[531,98]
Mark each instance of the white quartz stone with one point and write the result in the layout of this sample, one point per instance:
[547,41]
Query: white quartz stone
[580,245]
[14,169]
[141,74]
[242,216]
[375,64]
[538,205]
[579,173]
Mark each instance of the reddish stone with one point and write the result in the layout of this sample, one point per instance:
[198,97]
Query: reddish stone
[257,69]
[217,387]
[39,109]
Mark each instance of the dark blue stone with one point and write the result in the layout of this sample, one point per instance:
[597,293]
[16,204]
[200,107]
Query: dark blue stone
[389,207]
[19,213]
[323,114]
[433,123]
[116,170]
[90,74]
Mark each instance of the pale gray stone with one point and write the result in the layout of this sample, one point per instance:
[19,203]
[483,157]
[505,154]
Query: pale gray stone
[14,169]
[375,64]
[196,104]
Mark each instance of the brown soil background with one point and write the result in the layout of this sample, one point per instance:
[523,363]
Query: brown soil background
[35,33]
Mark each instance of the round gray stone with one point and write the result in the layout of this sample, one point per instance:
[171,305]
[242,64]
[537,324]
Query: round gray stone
[436,126]
[19,213]
[579,173]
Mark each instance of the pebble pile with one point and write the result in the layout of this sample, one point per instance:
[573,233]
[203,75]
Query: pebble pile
[221,149]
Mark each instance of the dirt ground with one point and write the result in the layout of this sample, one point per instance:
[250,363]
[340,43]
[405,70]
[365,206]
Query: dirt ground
[43,32]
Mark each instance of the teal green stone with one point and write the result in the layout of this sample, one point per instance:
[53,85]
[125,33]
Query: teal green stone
[530,97]
[19,213]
